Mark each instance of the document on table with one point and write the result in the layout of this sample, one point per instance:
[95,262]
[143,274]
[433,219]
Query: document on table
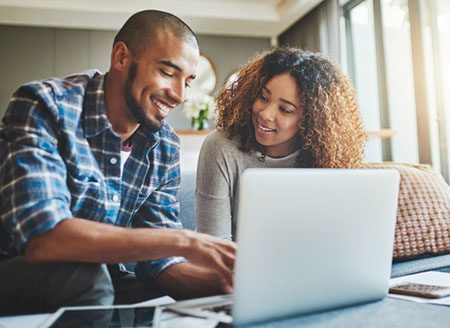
[163,300]
[427,278]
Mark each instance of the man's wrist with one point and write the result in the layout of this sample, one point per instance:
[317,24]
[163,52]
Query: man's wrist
[184,241]
[185,280]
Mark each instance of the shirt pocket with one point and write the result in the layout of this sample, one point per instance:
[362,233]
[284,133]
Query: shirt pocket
[88,194]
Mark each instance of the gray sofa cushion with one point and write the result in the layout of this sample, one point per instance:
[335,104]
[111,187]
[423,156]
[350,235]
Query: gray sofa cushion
[437,263]
[186,197]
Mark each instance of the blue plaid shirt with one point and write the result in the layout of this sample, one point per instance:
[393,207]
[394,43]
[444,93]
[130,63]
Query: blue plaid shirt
[60,158]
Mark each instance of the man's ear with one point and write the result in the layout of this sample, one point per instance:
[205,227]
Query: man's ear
[120,56]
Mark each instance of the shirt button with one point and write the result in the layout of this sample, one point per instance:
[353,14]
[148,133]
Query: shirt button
[113,160]
[115,198]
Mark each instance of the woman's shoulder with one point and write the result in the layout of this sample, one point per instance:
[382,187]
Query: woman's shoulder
[218,140]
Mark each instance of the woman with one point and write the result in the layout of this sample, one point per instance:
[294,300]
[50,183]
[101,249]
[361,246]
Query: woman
[287,108]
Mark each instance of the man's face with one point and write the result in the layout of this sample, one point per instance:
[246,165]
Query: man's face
[157,81]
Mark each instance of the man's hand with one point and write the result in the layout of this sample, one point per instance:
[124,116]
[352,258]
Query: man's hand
[187,280]
[79,240]
[215,257]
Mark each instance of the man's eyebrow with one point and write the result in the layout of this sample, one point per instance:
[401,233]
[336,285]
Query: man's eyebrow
[281,99]
[175,66]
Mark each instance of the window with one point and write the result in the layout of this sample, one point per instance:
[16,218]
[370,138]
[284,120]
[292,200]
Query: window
[397,56]
[436,33]
[400,80]
[362,68]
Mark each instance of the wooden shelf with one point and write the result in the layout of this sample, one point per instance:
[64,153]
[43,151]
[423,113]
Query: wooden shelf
[192,132]
[383,134]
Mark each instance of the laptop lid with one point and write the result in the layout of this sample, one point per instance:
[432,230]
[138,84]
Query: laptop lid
[312,239]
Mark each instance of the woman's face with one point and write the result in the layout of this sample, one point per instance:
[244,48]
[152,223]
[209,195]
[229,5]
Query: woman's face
[276,116]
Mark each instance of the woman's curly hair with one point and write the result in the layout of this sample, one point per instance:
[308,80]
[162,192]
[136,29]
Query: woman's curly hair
[331,131]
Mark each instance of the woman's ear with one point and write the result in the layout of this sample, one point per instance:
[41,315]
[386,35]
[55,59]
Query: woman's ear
[120,56]
[300,121]
[301,127]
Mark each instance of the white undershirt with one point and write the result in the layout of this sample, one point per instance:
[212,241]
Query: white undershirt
[123,158]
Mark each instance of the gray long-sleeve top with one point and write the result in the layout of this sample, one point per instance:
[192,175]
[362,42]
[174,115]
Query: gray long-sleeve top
[220,166]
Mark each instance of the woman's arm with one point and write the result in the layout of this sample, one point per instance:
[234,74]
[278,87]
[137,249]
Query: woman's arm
[213,190]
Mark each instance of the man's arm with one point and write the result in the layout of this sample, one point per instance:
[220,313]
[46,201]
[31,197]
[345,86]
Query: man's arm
[81,240]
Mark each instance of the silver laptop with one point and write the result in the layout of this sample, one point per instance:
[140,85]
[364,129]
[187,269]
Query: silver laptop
[309,240]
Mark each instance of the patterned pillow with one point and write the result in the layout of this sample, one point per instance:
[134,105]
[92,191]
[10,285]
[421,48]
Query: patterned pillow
[423,215]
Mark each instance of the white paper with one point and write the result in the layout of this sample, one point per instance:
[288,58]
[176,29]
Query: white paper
[24,321]
[155,301]
[164,300]
[176,321]
[427,278]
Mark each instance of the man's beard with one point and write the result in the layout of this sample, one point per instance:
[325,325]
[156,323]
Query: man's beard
[137,111]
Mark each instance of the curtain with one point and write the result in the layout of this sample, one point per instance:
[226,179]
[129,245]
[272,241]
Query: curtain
[316,31]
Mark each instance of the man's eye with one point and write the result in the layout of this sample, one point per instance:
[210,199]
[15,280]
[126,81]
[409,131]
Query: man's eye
[166,73]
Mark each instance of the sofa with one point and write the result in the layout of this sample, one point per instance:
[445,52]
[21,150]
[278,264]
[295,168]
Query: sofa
[388,312]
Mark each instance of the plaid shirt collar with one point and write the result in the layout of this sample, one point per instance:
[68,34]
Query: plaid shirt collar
[96,120]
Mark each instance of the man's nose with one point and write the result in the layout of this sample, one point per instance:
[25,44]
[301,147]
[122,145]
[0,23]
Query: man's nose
[178,92]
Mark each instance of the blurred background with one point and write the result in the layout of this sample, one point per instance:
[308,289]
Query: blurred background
[396,52]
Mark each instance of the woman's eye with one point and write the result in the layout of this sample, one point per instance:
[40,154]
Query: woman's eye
[263,97]
[284,110]
[166,73]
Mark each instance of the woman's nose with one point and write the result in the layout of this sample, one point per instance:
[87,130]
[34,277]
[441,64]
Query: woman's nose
[268,112]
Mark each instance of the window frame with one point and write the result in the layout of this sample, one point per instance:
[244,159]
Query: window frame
[422,112]
[383,110]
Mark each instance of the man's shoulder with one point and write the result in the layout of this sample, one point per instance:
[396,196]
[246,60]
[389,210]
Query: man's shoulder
[56,88]
[57,94]
[56,99]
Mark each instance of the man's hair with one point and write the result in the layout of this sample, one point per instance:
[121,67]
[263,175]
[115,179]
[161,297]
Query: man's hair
[140,30]
[331,131]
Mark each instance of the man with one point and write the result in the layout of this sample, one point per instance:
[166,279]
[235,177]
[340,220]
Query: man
[84,159]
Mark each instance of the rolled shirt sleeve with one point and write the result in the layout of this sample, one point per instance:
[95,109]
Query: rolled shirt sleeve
[34,195]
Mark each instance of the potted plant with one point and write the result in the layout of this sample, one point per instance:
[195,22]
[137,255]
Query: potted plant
[200,110]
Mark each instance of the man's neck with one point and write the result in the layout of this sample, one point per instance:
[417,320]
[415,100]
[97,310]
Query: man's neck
[128,143]
[116,110]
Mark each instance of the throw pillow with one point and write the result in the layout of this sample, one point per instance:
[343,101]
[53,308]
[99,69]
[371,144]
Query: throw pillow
[423,215]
